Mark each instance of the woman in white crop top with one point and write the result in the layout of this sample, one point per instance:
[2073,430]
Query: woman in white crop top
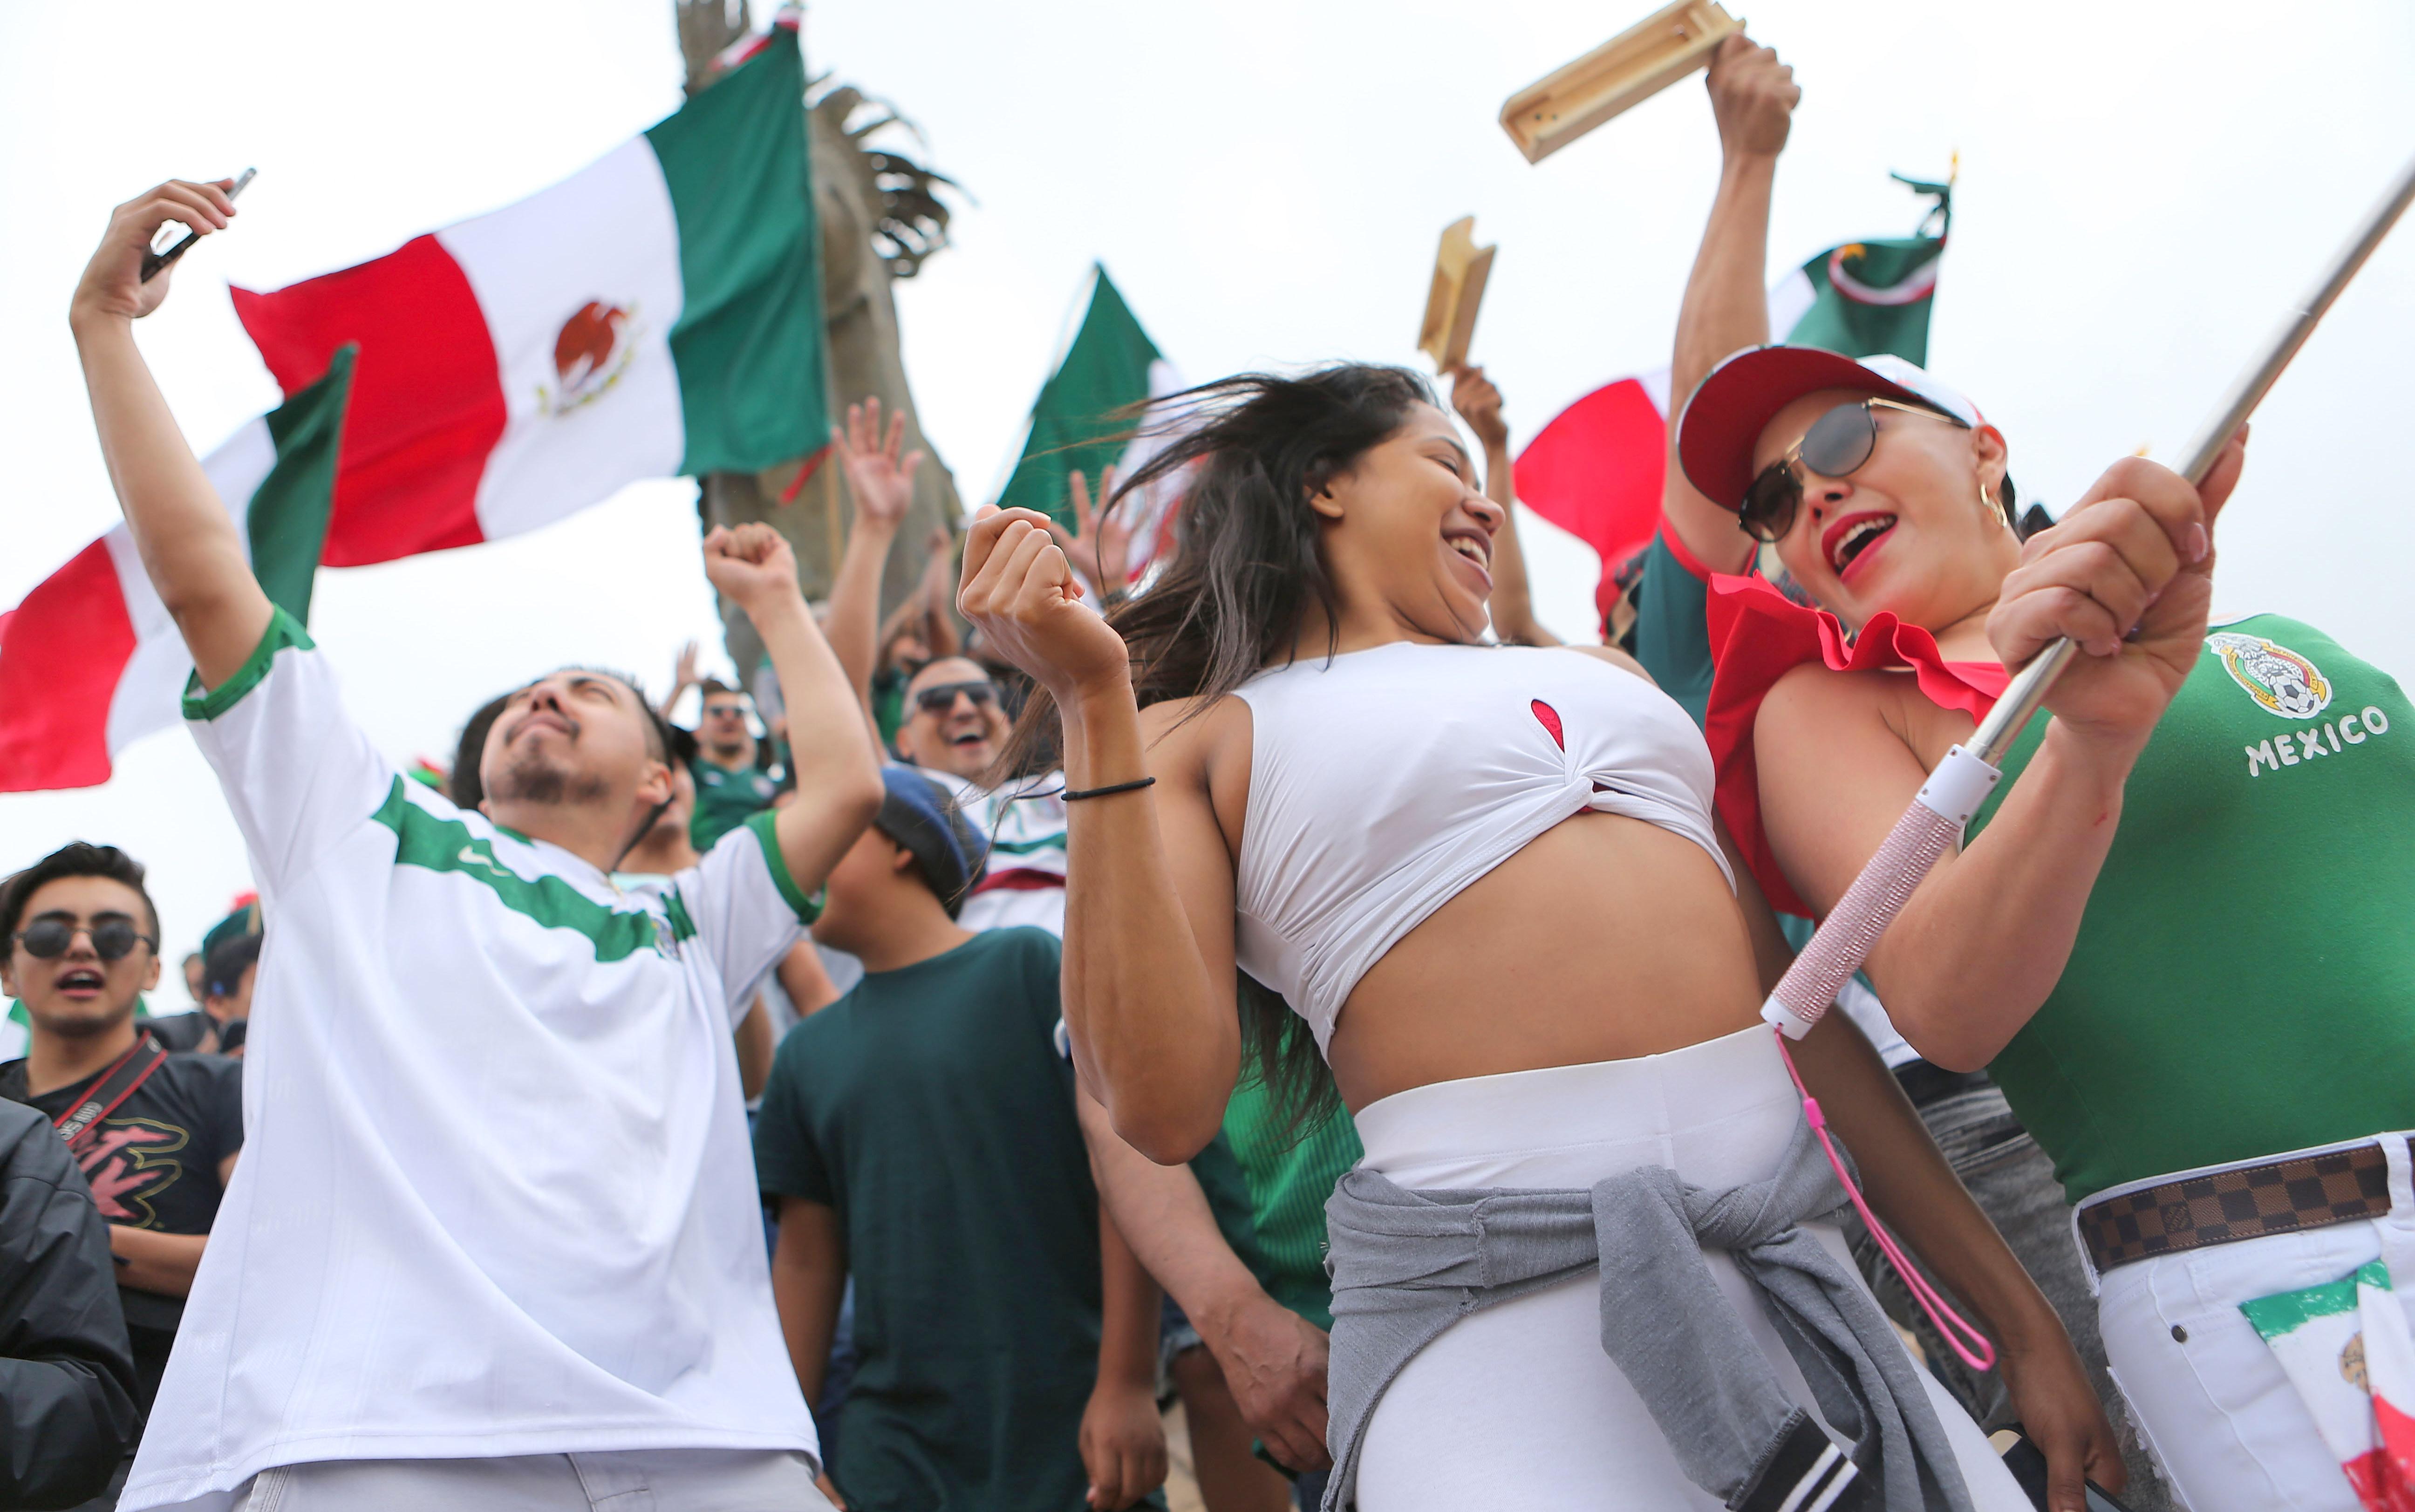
[1487,880]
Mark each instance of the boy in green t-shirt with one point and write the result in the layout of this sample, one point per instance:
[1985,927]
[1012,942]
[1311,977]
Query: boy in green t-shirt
[919,1134]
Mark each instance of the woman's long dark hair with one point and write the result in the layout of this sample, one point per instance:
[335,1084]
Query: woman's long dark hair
[1243,574]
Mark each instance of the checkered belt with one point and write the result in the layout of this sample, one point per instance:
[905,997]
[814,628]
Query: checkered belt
[2284,1197]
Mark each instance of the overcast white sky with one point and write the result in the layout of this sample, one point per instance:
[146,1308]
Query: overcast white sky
[2144,188]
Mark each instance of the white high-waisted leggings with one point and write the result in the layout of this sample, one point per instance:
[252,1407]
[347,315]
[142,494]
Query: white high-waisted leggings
[1518,1405]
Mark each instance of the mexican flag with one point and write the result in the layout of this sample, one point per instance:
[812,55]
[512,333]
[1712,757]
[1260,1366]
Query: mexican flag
[657,313]
[1082,422]
[2345,1347]
[90,662]
[1596,469]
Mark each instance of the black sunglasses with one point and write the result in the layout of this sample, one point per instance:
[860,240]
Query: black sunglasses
[1837,443]
[940,697]
[114,937]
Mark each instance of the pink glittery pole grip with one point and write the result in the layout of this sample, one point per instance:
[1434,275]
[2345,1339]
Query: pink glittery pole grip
[1847,935]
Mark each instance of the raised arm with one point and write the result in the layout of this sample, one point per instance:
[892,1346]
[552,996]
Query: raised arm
[1148,919]
[187,541]
[882,485]
[1984,939]
[1478,402]
[938,594]
[1098,546]
[684,677]
[1273,1359]
[1726,307]
[837,769]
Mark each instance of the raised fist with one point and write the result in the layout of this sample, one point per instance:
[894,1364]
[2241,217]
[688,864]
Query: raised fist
[1753,98]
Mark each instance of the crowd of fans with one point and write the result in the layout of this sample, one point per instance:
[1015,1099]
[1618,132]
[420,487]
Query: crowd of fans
[967,1320]
[489,1103]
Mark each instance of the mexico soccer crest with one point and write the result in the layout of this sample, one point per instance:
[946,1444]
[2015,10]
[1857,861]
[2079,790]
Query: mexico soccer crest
[2281,681]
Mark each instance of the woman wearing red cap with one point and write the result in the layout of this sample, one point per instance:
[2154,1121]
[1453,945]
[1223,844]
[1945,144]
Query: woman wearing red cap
[2176,935]
[1587,1262]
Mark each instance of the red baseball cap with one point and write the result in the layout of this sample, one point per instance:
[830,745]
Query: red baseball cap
[1723,420]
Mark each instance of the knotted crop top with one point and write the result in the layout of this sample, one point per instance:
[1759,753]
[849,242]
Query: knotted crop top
[1383,782]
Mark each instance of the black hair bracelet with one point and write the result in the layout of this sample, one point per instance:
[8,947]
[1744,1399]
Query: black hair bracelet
[1075,795]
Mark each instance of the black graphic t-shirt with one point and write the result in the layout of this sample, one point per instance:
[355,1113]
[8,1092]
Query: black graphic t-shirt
[153,1163]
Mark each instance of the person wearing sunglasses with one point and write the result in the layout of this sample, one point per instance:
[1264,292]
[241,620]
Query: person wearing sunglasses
[82,943]
[727,768]
[2107,942]
[954,721]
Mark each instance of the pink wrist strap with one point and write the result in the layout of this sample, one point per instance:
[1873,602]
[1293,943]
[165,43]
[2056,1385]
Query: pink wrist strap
[1979,1353]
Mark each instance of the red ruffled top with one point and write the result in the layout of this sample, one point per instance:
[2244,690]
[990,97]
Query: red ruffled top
[1759,634]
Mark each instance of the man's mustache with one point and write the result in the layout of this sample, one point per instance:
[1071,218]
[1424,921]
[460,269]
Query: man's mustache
[520,725]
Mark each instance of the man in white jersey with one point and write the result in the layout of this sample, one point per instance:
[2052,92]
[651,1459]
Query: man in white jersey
[954,725]
[494,1240]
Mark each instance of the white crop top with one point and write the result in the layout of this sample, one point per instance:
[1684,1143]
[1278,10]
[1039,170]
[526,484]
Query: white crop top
[1383,782]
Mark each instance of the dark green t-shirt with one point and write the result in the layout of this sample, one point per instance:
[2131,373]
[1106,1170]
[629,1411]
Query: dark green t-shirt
[726,797]
[1673,638]
[929,1106]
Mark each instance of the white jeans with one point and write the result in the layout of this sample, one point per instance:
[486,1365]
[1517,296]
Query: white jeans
[1517,1406]
[635,1480]
[2207,1393]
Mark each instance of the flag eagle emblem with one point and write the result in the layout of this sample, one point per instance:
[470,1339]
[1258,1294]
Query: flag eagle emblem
[589,352]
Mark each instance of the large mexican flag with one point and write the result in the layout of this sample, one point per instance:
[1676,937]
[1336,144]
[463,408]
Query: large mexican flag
[90,661]
[1597,469]
[658,313]
[1084,420]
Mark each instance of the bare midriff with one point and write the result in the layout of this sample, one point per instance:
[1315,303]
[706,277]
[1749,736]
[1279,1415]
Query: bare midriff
[1605,938]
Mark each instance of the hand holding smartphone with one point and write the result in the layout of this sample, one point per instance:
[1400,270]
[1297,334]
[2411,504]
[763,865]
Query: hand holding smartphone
[166,247]
[2028,1465]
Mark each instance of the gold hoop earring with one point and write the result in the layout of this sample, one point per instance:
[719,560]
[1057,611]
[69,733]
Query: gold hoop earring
[1989,506]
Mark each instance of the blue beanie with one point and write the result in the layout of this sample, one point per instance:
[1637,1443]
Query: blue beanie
[918,814]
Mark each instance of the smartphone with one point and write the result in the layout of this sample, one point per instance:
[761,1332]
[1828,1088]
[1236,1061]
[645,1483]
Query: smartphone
[158,256]
[2028,1465]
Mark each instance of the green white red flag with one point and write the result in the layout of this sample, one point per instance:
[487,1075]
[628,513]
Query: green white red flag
[2345,1345]
[1597,469]
[1084,420]
[657,313]
[90,662]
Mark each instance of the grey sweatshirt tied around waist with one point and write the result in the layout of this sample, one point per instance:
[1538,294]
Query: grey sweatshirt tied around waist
[1405,1265]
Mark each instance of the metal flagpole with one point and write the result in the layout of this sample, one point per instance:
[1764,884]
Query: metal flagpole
[1968,772]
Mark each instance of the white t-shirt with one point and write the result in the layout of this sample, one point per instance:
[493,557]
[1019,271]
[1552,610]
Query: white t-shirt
[1024,882]
[497,1196]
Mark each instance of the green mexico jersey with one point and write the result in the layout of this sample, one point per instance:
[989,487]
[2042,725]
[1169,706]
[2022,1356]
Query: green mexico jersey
[725,797]
[2243,982]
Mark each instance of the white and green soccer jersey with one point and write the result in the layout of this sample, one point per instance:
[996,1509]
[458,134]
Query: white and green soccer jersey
[496,1195]
[1024,880]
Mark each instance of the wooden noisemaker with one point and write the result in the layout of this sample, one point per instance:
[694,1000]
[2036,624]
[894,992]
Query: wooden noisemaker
[1461,268]
[1623,72]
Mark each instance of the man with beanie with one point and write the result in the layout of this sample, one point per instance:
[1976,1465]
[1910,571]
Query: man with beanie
[919,1135]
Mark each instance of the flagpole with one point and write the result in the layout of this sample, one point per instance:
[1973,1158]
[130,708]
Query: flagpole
[1963,780]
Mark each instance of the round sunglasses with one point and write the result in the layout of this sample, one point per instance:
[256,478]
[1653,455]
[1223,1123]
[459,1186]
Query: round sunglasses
[1837,443]
[113,938]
